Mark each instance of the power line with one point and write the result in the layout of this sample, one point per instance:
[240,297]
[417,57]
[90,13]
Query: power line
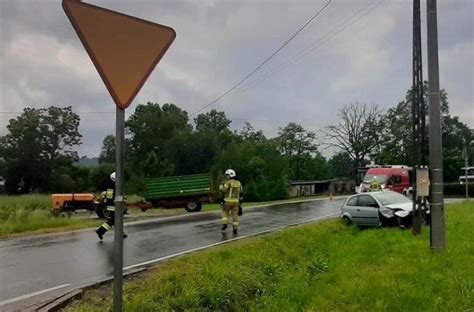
[265,61]
[314,46]
[277,121]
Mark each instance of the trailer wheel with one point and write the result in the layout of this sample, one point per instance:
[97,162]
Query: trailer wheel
[193,206]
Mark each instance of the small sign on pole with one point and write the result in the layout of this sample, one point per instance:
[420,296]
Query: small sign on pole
[124,50]
[422,182]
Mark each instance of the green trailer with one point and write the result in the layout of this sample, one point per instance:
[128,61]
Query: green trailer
[189,191]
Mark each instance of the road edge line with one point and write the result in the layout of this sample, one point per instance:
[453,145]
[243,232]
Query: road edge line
[29,295]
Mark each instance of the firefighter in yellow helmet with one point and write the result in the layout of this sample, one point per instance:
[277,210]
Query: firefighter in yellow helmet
[232,190]
[375,185]
[110,202]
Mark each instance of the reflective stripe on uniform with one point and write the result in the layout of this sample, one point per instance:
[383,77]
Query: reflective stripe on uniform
[111,208]
[234,191]
[106,226]
[110,193]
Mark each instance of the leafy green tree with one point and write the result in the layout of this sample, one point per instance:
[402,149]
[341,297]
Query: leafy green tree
[358,132]
[195,152]
[397,146]
[99,177]
[107,153]
[298,146]
[341,166]
[260,166]
[455,134]
[38,147]
[213,121]
[248,133]
[153,129]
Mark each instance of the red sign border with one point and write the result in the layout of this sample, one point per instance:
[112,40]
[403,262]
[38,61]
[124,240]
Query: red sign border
[97,63]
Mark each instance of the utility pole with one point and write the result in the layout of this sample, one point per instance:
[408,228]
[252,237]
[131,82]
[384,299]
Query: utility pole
[418,117]
[437,232]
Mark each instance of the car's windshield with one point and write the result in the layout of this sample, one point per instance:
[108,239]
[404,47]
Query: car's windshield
[380,178]
[390,198]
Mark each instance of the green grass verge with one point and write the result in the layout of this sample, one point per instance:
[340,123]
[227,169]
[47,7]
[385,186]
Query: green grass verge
[323,267]
[31,214]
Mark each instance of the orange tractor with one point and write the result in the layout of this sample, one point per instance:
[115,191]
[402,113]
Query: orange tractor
[69,203]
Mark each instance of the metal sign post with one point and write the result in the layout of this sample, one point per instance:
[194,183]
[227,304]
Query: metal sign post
[136,46]
[119,172]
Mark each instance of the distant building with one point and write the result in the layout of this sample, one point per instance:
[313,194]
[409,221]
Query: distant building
[318,187]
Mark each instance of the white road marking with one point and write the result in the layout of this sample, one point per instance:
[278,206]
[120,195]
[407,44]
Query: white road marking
[228,241]
[33,294]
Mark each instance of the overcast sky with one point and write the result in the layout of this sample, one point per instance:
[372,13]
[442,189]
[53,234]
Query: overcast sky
[357,50]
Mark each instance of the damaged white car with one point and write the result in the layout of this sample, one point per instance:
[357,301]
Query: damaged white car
[378,208]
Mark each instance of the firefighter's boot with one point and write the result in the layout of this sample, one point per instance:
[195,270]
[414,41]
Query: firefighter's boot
[234,231]
[100,232]
[224,227]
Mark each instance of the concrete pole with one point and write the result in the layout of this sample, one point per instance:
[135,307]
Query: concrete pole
[437,232]
[119,175]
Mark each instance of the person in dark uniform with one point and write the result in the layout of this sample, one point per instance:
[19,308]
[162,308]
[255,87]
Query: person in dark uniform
[110,202]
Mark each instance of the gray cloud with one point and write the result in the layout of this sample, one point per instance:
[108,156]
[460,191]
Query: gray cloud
[43,63]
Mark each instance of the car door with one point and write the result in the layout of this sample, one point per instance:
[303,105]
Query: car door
[367,211]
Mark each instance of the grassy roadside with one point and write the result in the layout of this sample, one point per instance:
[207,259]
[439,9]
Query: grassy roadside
[30,214]
[324,267]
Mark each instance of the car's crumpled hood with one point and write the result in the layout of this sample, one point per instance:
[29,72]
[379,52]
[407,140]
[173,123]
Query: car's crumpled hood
[405,206]
[388,210]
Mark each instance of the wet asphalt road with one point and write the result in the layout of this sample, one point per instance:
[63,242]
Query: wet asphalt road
[37,263]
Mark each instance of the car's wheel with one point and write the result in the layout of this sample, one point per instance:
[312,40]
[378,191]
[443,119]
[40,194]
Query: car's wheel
[403,223]
[193,206]
[346,220]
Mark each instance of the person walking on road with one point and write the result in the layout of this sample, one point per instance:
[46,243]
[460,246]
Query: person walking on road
[110,202]
[232,190]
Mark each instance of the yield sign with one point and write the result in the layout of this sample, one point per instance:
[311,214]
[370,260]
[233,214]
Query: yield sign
[123,48]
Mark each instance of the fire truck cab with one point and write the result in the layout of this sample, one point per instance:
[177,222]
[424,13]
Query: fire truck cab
[390,177]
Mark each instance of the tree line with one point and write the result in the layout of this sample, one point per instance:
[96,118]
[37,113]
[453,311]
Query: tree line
[37,153]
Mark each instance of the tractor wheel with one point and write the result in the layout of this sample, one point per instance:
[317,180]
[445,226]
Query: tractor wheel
[193,206]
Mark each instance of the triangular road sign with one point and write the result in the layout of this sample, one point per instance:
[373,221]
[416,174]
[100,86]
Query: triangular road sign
[123,48]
